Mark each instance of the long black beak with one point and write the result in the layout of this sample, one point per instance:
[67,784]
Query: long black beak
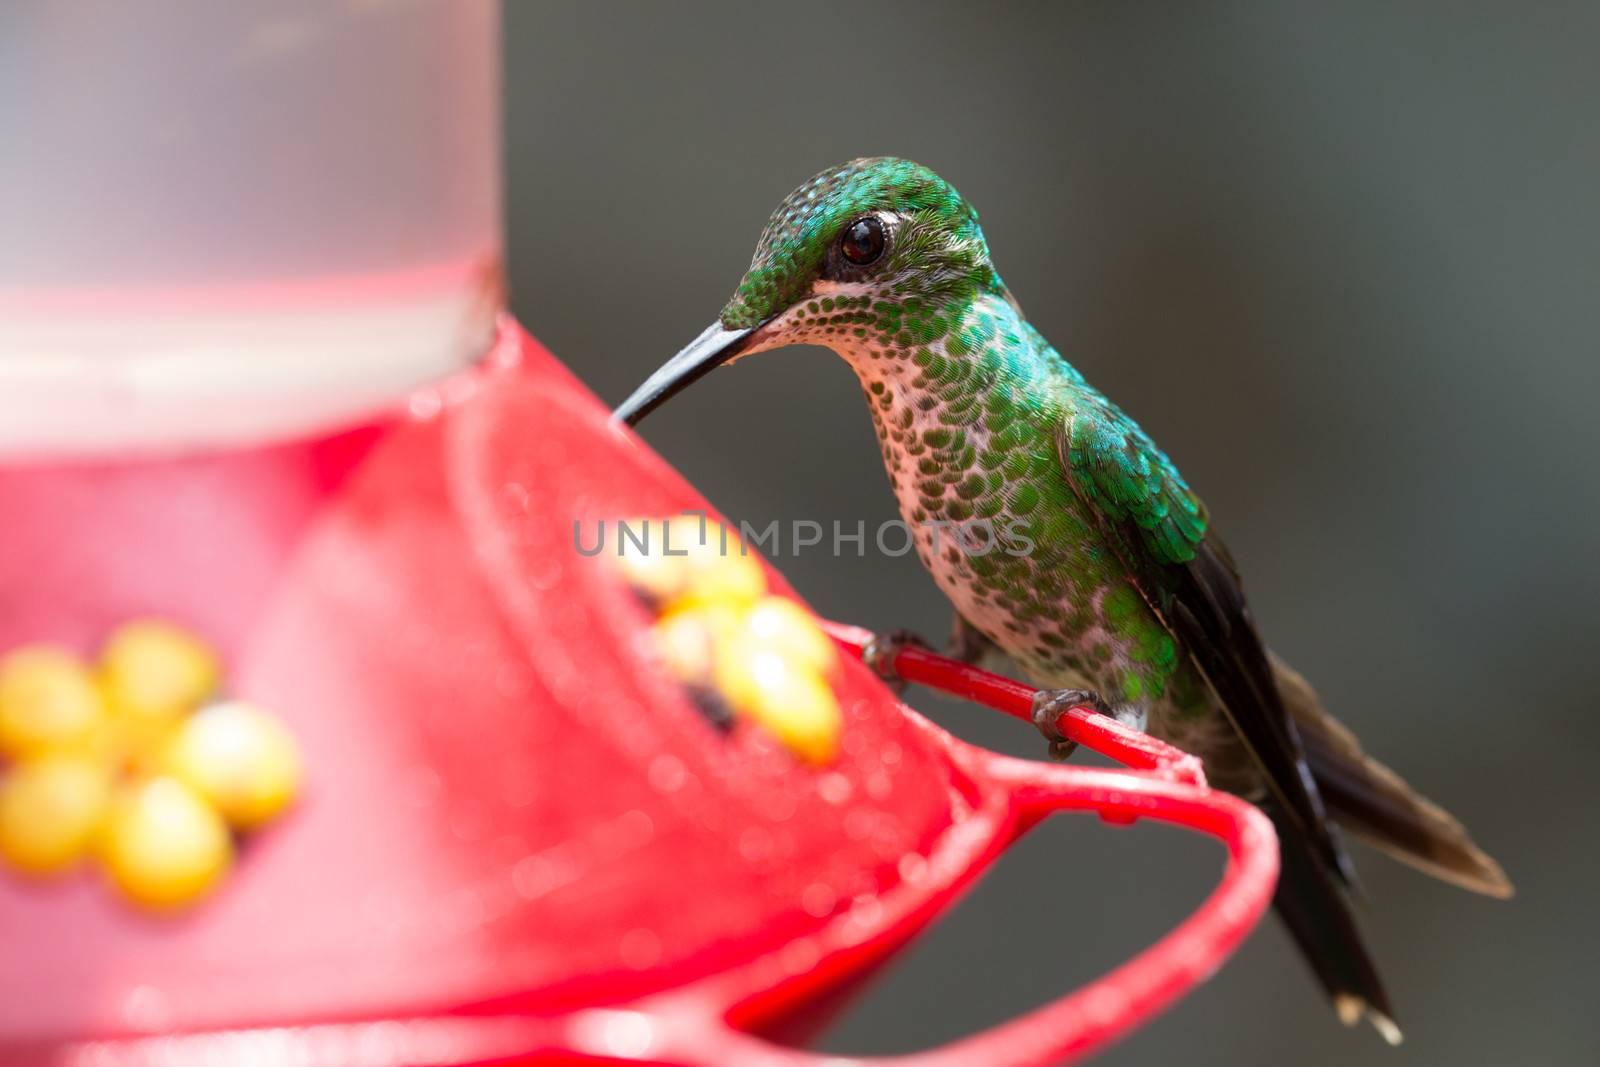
[705,353]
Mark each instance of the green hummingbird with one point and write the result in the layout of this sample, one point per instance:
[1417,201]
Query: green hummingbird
[1112,588]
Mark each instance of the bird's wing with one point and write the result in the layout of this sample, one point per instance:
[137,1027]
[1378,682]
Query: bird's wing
[1160,531]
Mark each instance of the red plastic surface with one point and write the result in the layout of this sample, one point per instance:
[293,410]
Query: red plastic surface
[519,841]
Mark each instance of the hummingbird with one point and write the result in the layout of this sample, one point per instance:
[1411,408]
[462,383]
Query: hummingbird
[1113,589]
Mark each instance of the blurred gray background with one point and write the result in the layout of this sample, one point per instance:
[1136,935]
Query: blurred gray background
[1343,261]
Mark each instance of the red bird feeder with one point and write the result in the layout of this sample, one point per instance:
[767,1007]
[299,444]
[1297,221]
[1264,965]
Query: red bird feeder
[519,839]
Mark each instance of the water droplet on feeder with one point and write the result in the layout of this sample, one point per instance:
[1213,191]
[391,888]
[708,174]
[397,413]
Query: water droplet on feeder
[799,956]
[640,949]
[145,1008]
[425,404]
[635,827]
[866,910]
[623,1034]
[858,824]
[667,773]
[779,806]
[543,575]
[818,899]
[755,845]
[913,868]
[514,499]
[834,787]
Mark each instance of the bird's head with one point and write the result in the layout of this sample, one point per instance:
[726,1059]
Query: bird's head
[872,254]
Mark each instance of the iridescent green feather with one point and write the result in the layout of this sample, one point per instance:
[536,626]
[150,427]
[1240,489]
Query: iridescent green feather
[942,236]
[1129,479]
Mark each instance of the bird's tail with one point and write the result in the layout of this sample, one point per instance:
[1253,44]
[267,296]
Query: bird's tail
[1314,907]
[1376,805]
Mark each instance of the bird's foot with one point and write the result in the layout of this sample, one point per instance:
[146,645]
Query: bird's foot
[1050,704]
[881,651]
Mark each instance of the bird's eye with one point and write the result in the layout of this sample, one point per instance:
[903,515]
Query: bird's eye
[862,242]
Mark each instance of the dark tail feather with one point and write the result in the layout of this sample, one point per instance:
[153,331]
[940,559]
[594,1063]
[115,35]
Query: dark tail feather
[1376,805]
[1315,910]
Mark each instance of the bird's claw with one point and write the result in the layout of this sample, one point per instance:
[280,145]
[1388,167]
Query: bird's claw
[880,653]
[1048,707]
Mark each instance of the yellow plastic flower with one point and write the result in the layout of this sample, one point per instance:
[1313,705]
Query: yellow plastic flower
[688,640]
[779,623]
[244,761]
[48,702]
[716,576]
[120,766]
[155,672]
[764,655]
[50,809]
[787,697]
[163,846]
[673,564]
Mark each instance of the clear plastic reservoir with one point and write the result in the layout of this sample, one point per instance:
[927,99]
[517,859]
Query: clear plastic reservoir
[233,223]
